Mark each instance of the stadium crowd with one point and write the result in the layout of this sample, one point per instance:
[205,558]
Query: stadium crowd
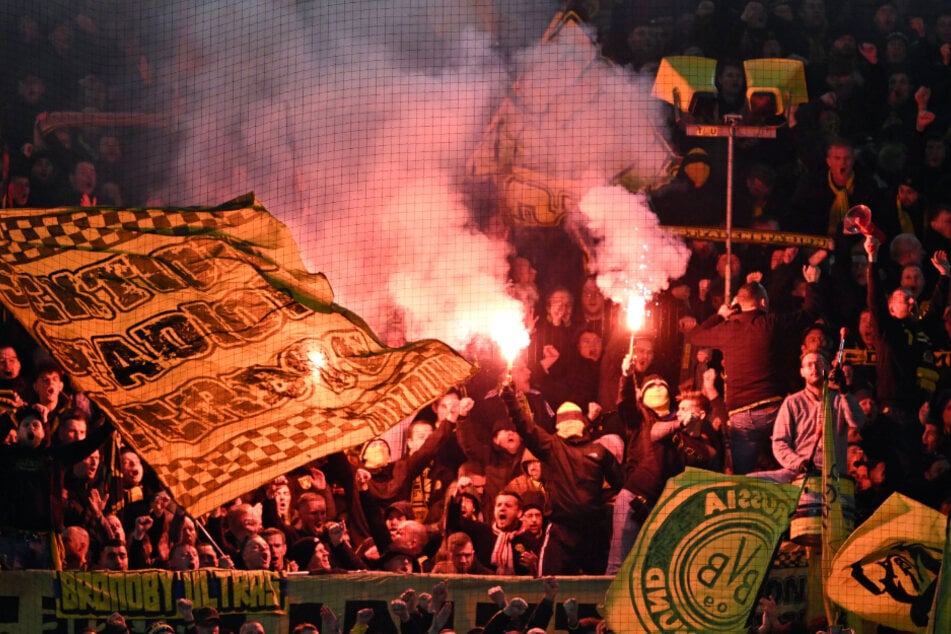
[550,469]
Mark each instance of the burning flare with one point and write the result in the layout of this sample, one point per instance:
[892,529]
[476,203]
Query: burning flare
[509,332]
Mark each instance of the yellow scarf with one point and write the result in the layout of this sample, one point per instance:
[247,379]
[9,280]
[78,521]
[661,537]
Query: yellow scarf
[904,218]
[840,206]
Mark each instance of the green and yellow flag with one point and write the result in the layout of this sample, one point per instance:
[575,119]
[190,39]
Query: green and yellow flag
[887,570]
[223,362]
[701,556]
[834,528]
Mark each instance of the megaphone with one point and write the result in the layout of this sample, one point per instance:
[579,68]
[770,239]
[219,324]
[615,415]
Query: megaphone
[858,220]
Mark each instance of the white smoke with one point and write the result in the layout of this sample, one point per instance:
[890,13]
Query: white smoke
[586,119]
[352,121]
[633,254]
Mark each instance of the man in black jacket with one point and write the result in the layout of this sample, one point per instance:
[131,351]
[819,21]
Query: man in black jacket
[577,469]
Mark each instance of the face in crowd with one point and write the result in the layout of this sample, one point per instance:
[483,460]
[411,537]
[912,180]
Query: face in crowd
[9,364]
[507,511]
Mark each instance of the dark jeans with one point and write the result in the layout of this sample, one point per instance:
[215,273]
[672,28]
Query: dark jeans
[751,436]
[569,550]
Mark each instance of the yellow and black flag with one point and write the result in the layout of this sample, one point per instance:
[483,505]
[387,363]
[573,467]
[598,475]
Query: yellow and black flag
[887,570]
[222,361]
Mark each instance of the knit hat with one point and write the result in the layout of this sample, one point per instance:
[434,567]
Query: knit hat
[502,423]
[207,616]
[302,551]
[656,399]
[911,178]
[569,420]
[528,456]
[400,506]
[696,155]
[533,500]
[476,503]
[394,552]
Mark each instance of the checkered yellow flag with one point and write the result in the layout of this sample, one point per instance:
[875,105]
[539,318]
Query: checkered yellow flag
[223,362]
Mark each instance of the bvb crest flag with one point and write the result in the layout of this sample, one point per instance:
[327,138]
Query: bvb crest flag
[887,570]
[222,361]
[701,556]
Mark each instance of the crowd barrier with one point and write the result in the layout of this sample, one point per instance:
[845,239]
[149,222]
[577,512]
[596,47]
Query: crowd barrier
[65,602]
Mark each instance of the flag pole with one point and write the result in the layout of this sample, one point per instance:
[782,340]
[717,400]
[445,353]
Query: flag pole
[834,530]
[211,540]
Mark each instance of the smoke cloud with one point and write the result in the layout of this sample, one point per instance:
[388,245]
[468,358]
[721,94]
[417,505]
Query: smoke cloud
[632,253]
[352,121]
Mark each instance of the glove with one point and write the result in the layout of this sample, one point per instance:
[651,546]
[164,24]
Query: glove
[518,409]
[639,509]
[836,379]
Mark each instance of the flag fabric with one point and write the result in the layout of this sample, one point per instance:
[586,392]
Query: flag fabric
[887,569]
[701,556]
[834,529]
[222,361]
[941,613]
[565,89]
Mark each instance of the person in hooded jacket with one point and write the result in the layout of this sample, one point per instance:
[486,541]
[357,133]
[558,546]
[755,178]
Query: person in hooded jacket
[691,198]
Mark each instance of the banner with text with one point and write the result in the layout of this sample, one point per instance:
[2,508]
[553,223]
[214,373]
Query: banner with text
[223,362]
[153,594]
[702,555]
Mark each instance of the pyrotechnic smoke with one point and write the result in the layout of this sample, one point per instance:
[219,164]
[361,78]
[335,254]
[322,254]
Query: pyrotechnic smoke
[633,254]
[353,120]
[585,119]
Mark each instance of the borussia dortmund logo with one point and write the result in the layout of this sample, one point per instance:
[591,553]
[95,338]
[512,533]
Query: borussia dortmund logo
[701,557]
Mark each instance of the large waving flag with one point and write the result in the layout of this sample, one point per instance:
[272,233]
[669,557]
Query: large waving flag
[701,556]
[887,570]
[223,362]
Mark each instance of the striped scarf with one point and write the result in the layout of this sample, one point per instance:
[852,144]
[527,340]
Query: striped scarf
[502,551]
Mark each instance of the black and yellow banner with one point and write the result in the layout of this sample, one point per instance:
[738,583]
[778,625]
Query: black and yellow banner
[702,555]
[750,236]
[153,594]
[222,360]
